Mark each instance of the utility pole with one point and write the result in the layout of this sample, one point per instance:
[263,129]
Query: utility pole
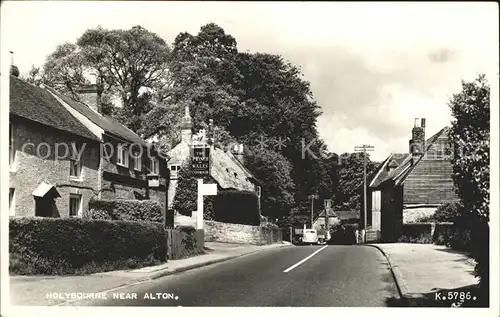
[363,148]
[312,197]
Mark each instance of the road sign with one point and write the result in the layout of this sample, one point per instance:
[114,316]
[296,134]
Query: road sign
[200,161]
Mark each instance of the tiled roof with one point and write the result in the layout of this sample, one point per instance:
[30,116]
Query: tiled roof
[405,165]
[383,174]
[428,144]
[228,172]
[37,104]
[105,122]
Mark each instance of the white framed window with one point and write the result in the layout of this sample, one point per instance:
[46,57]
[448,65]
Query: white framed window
[12,149]
[175,167]
[138,163]
[75,205]
[155,166]
[12,202]
[75,162]
[376,200]
[122,155]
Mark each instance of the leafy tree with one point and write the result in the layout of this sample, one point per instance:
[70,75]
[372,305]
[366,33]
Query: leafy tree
[126,61]
[350,180]
[34,76]
[129,64]
[202,69]
[274,171]
[64,69]
[470,139]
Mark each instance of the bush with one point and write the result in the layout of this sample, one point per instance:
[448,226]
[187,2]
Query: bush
[55,246]
[239,207]
[445,213]
[424,239]
[420,231]
[121,209]
[186,194]
[187,242]
[443,233]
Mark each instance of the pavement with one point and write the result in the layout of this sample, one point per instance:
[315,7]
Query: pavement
[57,290]
[424,273]
[292,276]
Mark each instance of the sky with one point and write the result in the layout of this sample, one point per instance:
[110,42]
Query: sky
[373,67]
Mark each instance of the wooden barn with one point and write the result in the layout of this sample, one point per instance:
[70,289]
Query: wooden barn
[409,186]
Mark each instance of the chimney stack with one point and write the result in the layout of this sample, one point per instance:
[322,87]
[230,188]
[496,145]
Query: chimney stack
[186,126]
[237,151]
[91,94]
[14,71]
[417,143]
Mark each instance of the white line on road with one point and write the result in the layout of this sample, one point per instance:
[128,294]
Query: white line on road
[303,260]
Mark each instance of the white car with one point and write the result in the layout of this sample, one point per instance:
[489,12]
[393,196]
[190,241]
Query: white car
[310,237]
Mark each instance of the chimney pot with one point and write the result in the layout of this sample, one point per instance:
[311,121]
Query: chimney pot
[423,123]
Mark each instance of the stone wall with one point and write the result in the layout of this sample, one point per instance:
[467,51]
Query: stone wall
[235,233]
[412,215]
[32,167]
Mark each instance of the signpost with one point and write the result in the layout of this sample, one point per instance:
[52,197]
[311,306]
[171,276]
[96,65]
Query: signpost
[363,148]
[200,166]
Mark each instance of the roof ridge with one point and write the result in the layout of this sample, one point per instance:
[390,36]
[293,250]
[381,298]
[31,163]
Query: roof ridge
[53,90]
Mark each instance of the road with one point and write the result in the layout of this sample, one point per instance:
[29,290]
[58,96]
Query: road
[335,276]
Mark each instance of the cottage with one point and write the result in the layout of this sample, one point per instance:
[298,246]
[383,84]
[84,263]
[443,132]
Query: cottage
[335,218]
[47,177]
[225,165]
[115,163]
[409,186]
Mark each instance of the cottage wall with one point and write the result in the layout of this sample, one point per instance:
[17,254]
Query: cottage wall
[31,169]
[120,182]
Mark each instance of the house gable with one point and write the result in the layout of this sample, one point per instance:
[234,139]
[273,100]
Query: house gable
[430,180]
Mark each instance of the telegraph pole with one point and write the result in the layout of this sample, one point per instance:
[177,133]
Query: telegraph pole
[363,148]
[312,197]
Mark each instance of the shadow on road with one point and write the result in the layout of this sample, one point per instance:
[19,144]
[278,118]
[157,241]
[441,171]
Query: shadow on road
[443,298]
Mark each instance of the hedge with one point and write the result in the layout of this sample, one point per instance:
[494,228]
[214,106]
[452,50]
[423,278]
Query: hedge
[122,209]
[417,231]
[239,207]
[57,246]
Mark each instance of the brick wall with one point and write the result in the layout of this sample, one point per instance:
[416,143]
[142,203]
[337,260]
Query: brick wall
[31,169]
[236,233]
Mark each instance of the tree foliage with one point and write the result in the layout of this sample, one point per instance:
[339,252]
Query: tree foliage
[185,199]
[273,170]
[350,180]
[470,138]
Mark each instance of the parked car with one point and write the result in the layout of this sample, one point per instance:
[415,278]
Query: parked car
[310,237]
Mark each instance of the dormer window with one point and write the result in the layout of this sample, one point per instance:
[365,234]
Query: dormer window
[392,165]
